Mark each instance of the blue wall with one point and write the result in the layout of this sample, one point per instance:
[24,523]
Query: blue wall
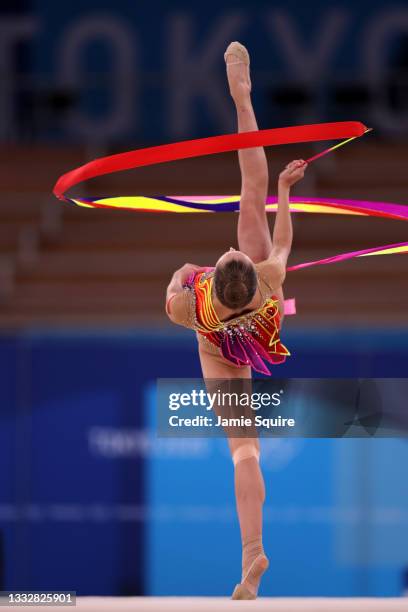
[91,500]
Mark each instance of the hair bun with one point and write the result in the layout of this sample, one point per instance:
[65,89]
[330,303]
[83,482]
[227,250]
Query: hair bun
[235,283]
[235,292]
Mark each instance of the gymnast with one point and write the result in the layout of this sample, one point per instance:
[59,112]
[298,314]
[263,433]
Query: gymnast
[237,308]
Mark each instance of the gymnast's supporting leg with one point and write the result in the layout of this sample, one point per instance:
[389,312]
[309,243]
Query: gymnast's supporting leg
[249,484]
[254,236]
[250,497]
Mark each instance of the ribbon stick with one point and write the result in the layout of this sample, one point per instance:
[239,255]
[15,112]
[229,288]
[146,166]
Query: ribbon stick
[333,148]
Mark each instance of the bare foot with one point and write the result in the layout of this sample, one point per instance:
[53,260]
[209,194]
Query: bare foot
[237,65]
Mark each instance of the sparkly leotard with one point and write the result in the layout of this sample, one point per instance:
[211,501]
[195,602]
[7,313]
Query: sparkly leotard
[248,339]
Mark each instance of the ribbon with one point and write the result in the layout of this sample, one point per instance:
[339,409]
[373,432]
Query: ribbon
[225,203]
[349,130]
[206,146]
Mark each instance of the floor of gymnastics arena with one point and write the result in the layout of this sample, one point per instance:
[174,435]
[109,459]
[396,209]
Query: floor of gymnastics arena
[221,604]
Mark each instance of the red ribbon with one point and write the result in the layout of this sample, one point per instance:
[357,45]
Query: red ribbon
[206,146]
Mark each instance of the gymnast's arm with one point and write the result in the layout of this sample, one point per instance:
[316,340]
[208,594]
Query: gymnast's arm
[176,307]
[274,268]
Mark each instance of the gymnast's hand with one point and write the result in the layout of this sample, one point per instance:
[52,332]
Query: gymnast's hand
[186,271]
[293,172]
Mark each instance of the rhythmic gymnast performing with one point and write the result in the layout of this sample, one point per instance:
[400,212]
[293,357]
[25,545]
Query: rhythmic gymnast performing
[237,308]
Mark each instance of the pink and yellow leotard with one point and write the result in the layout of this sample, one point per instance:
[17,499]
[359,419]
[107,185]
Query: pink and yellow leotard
[248,339]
